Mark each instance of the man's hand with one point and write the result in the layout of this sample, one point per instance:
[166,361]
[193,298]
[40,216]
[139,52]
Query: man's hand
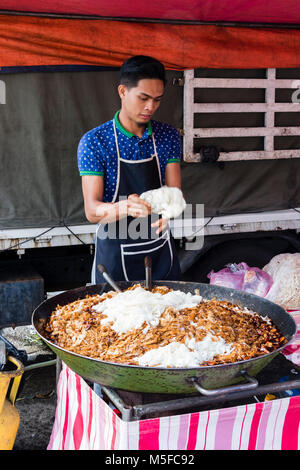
[161,224]
[137,207]
[133,206]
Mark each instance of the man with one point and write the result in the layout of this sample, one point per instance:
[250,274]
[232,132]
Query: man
[118,161]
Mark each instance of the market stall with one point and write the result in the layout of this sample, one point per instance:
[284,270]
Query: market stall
[267,425]
[204,34]
[133,413]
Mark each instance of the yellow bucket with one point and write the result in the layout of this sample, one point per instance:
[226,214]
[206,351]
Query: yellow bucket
[9,415]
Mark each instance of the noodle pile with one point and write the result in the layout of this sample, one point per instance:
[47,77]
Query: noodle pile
[211,332]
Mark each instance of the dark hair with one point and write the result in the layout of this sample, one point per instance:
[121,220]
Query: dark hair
[139,67]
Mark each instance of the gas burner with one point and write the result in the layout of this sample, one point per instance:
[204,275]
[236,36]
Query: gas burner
[279,379]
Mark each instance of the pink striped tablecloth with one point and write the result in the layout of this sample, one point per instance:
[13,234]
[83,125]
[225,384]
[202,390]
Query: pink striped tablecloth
[83,421]
[292,351]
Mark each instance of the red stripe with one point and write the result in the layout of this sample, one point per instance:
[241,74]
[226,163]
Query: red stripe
[149,434]
[194,422]
[65,426]
[78,423]
[254,426]
[291,425]
[291,349]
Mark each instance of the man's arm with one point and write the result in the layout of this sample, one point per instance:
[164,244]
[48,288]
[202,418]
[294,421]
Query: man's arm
[105,212]
[92,190]
[173,175]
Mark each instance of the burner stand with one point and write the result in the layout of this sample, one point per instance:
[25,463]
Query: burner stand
[280,375]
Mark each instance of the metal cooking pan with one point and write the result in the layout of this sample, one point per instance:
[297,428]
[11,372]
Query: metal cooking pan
[208,380]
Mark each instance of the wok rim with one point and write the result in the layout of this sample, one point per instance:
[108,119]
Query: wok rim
[171,369]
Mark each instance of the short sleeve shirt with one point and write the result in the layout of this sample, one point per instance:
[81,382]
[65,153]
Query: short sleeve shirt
[97,151]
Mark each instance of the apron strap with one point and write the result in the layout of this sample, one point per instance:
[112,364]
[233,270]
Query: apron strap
[116,139]
[154,145]
[118,153]
[117,144]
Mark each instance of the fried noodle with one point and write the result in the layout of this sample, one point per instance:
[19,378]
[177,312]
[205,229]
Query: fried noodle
[79,328]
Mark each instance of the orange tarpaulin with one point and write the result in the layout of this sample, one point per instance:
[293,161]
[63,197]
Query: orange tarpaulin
[249,11]
[27,41]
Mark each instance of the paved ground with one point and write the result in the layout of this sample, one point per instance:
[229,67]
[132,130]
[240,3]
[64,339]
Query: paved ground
[36,403]
[36,398]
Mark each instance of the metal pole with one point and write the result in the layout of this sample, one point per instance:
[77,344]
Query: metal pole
[40,364]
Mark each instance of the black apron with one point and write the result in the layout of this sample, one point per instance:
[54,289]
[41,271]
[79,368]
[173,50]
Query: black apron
[121,246]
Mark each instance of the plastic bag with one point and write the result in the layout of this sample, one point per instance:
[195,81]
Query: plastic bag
[242,277]
[285,271]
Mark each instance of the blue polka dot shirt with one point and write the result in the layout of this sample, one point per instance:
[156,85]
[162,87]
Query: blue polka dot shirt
[97,152]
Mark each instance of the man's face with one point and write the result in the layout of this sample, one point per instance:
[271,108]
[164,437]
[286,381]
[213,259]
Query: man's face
[140,102]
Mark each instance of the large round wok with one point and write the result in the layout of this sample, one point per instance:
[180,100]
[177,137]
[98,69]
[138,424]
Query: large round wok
[207,379]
